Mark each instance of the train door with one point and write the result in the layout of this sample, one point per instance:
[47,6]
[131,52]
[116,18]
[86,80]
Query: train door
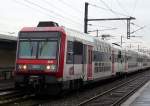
[69,59]
[78,58]
[126,63]
[113,62]
[120,62]
[84,62]
[89,63]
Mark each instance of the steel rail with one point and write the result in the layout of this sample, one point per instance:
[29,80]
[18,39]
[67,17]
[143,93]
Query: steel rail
[106,92]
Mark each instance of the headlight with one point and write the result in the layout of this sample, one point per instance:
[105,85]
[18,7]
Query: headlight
[48,67]
[51,67]
[22,67]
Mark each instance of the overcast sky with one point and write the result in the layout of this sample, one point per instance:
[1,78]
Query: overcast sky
[15,14]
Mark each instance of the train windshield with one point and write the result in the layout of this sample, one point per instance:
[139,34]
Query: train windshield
[47,50]
[27,49]
[35,48]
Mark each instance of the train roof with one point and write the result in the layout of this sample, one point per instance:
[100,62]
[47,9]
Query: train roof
[69,31]
[83,37]
[36,29]
[87,37]
[79,35]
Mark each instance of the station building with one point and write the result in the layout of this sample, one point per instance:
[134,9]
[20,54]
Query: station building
[8,45]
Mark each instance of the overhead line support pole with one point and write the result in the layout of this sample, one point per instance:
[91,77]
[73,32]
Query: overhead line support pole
[86,18]
[111,19]
[128,28]
[105,19]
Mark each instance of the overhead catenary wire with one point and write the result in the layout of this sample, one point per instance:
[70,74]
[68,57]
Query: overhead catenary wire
[48,10]
[47,14]
[100,26]
[70,6]
[107,9]
[63,18]
[135,4]
[68,14]
[36,9]
[138,29]
[111,10]
[28,6]
[135,24]
[121,6]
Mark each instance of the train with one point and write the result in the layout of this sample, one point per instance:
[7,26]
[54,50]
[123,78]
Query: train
[52,58]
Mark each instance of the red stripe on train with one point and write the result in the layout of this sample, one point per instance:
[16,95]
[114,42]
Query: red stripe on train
[33,61]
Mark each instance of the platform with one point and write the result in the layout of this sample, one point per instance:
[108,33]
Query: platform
[6,84]
[140,98]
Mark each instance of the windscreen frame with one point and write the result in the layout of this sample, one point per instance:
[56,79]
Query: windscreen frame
[56,36]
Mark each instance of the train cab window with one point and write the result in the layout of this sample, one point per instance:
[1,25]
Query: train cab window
[69,58]
[27,49]
[47,50]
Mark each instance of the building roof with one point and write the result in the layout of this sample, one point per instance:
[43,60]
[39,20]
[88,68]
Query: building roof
[8,42]
[4,37]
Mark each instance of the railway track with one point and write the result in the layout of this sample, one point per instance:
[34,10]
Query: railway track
[6,89]
[118,94]
[84,96]
[76,98]
[11,95]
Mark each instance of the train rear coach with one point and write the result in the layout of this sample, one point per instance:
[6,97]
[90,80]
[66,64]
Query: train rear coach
[51,59]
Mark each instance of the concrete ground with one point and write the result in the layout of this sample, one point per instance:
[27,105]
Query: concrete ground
[140,98]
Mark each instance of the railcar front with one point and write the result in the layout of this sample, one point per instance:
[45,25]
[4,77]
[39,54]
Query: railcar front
[40,58]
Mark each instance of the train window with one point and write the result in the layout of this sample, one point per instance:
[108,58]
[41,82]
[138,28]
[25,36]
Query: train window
[84,54]
[107,50]
[47,50]
[104,49]
[69,52]
[27,49]
[95,56]
[100,47]
[119,54]
[77,48]
[115,57]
